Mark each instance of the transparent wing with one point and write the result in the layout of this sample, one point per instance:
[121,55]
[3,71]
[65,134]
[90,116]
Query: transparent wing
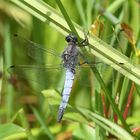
[42,77]
[39,77]
[34,51]
[85,76]
[47,70]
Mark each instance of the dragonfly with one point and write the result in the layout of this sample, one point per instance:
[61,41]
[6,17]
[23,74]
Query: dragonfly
[70,60]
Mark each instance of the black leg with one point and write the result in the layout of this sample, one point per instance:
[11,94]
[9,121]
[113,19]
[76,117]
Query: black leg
[85,41]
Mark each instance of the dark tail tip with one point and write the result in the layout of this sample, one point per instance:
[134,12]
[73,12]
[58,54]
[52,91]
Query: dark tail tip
[60,114]
[15,35]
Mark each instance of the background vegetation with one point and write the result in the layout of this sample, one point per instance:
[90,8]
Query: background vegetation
[30,98]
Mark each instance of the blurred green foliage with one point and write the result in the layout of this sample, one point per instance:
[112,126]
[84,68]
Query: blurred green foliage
[29,105]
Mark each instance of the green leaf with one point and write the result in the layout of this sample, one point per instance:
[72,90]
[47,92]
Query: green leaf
[85,132]
[52,96]
[67,18]
[109,126]
[43,125]
[9,129]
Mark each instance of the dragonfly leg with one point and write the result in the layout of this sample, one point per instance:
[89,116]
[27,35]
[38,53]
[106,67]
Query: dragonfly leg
[84,62]
[85,41]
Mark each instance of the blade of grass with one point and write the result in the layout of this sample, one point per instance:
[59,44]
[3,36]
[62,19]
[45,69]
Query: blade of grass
[89,12]
[138,89]
[67,18]
[1,74]
[20,115]
[107,125]
[81,12]
[7,50]
[45,128]
[9,129]
[123,92]
[115,5]
[135,18]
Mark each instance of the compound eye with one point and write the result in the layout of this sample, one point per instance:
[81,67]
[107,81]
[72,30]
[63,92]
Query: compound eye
[68,38]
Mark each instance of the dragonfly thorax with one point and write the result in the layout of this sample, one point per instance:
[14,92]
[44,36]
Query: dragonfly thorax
[70,56]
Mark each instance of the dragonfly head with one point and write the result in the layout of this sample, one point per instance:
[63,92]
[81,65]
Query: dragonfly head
[71,38]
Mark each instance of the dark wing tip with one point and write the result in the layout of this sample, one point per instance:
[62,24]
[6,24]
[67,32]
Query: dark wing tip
[15,35]
[13,66]
[10,68]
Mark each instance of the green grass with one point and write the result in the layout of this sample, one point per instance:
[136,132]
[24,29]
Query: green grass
[105,110]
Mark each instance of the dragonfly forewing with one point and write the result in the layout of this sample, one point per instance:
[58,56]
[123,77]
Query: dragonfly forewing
[35,51]
[44,76]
